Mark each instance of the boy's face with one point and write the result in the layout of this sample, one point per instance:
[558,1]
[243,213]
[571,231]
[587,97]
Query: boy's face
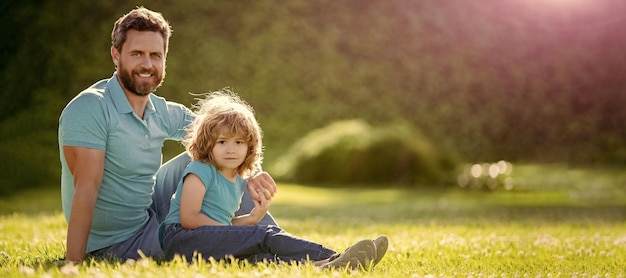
[141,62]
[229,152]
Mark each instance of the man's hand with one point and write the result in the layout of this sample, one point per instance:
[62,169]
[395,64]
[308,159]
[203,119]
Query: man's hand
[262,183]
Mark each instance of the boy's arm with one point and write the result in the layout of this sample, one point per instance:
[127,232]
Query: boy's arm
[260,209]
[191,198]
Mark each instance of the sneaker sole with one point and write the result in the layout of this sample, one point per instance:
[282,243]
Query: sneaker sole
[382,243]
[361,254]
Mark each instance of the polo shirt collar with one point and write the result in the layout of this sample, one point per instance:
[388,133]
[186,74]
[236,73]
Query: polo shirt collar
[119,98]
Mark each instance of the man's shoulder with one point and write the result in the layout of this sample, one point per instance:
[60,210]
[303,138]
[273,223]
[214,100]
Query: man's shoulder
[97,91]
[170,109]
[160,102]
[94,98]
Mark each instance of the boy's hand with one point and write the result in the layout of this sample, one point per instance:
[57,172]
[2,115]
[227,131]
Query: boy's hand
[260,207]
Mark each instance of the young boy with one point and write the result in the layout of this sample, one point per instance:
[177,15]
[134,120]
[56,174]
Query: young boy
[225,143]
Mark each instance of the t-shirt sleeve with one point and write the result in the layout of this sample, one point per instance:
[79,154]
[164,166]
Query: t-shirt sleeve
[180,118]
[83,123]
[203,171]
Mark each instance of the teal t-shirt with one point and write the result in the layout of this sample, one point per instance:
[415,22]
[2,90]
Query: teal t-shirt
[100,117]
[221,198]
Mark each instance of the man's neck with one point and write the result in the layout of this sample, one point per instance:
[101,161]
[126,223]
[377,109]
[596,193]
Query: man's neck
[138,103]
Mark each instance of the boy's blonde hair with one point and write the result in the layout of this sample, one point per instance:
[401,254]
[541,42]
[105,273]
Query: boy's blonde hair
[219,112]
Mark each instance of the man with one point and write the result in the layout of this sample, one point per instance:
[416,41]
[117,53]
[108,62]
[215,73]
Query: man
[110,142]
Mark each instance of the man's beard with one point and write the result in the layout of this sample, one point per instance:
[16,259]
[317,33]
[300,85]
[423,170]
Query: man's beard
[140,89]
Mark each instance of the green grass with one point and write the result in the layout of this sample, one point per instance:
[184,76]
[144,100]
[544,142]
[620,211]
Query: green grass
[557,222]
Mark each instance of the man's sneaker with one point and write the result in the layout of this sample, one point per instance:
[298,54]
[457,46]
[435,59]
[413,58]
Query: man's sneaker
[359,255]
[382,243]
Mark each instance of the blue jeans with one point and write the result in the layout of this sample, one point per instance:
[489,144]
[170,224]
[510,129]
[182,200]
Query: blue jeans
[146,240]
[254,243]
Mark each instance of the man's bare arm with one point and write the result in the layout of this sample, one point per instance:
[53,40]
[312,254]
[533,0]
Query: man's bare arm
[87,167]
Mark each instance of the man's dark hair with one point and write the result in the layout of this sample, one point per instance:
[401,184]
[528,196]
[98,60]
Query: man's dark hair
[140,19]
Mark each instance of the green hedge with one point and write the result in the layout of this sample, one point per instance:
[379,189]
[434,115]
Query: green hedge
[353,152]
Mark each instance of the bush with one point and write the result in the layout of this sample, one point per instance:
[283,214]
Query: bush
[353,152]
[30,152]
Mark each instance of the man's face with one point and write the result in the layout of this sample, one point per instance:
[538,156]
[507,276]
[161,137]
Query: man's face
[141,63]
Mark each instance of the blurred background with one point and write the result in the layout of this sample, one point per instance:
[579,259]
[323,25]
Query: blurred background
[519,80]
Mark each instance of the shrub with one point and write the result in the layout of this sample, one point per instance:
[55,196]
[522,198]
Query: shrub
[353,152]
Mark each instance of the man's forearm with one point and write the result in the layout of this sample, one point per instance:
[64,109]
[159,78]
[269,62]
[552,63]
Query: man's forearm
[80,221]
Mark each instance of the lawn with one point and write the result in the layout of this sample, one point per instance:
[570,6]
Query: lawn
[556,222]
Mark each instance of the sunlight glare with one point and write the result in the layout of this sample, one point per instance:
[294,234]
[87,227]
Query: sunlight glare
[476,170]
[558,4]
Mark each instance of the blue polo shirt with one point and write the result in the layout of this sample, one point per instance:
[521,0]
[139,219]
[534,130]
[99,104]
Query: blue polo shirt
[100,117]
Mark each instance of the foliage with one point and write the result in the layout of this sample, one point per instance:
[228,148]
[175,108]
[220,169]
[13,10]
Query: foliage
[504,80]
[46,65]
[353,152]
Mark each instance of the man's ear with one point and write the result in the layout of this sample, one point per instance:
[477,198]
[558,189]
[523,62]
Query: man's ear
[115,55]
